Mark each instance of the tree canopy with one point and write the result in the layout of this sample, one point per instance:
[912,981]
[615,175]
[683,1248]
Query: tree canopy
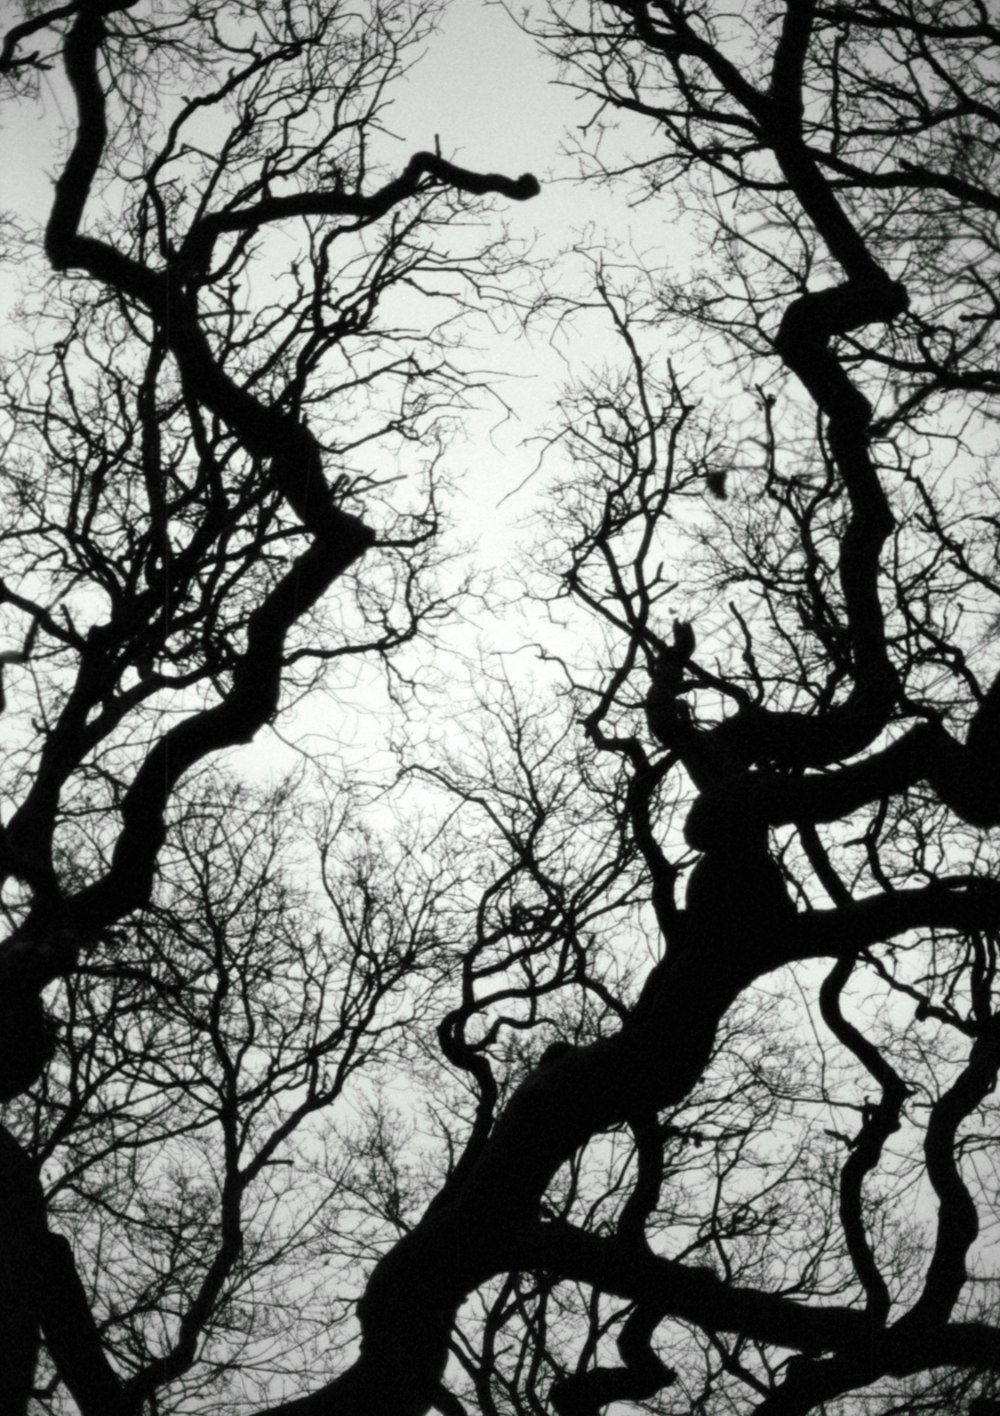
[618,1028]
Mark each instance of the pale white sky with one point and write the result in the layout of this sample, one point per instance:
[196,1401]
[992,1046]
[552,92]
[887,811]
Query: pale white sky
[485,93]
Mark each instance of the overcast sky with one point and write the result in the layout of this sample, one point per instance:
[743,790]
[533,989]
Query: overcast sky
[484,89]
[485,93]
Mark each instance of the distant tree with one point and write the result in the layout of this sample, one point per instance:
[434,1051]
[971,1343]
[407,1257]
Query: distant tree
[677,1006]
[177,1128]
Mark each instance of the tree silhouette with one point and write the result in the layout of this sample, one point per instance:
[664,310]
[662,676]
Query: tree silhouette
[183,494]
[693,978]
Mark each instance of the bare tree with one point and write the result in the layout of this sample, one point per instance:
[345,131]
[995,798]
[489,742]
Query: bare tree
[207,409]
[177,1129]
[818,735]
[712,933]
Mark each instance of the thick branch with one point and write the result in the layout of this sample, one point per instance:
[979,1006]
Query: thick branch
[293,453]
[250,703]
[22,1241]
[72,1336]
[40,1287]
[971,905]
[958,1222]
[965,777]
[879,1122]
[691,1294]
[641,1377]
[422,168]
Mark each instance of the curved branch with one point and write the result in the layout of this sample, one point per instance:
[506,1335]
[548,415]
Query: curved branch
[878,1124]
[642,1376]
[250,703]
[970,905]
[422,168]
[40,1288]
[966,777]
[958,1221]
[690,1294]
[293,453]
